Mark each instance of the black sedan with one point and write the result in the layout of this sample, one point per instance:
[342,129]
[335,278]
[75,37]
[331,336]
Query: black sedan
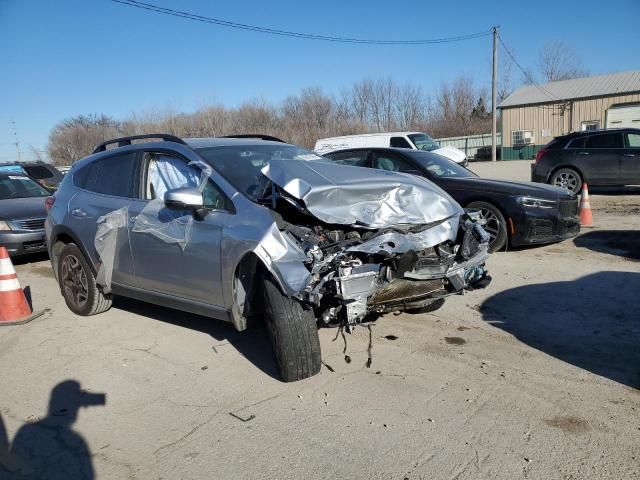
[22,214]
[519,213]
[599,157]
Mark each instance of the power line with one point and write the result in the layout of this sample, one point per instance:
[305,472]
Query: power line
[526,74]
[286,33]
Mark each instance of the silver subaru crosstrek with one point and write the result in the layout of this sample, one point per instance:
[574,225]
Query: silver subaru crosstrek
[244,229]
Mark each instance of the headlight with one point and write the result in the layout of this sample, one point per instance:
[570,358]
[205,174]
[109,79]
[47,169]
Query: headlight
[536,202]
[4,226]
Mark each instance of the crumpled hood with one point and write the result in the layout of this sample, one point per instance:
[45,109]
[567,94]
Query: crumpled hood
[361,197]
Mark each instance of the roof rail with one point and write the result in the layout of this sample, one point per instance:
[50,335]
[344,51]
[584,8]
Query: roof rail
[257,136]
[124,141]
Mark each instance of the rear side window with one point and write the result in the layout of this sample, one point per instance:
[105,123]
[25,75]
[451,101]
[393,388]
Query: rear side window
[399,142]
[577,143]
[117,176]
[607,140]
[38,172]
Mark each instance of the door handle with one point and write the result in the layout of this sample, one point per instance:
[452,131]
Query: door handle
[629,154]
[78,213]
[583,153]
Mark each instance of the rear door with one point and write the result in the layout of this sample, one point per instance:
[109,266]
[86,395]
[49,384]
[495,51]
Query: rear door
[104,186]
[598,157]
[630,159]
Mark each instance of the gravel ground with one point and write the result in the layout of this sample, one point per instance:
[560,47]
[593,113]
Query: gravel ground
[537,376]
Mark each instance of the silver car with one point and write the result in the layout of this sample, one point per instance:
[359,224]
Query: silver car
[243,229]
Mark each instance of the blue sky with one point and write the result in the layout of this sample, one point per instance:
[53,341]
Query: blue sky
[62,58]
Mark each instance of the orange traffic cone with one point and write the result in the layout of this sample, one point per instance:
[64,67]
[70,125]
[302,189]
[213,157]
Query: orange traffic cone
[586,217]
[14,308]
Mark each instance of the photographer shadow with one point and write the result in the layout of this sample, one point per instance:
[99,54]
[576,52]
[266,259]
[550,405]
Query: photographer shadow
[50,448]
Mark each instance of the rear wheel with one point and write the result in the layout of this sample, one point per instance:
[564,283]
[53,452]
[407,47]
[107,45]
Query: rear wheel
[293,333]
[78,283]
[567,178]
[494,224]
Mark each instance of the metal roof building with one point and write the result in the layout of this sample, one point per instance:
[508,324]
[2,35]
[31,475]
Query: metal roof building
[532,115]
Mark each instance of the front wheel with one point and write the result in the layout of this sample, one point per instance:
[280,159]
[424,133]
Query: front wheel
[494,224]
[293,333]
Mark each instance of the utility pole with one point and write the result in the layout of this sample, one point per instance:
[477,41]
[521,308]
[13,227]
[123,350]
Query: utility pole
[494,114]
[15,135]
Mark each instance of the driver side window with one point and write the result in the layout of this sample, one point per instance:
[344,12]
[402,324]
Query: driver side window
[167,172]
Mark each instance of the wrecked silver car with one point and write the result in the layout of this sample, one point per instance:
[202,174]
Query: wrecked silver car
[247,229]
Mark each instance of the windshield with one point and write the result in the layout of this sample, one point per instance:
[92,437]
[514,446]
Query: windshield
[439,166]
[422,141]
[18,186]
[241,165]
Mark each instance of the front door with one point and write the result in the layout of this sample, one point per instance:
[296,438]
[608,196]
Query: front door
[177,252]
[599,158]
[630,159]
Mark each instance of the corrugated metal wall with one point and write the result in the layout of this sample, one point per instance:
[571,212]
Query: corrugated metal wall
[549,120]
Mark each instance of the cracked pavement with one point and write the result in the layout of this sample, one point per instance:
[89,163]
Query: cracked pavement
[537,376]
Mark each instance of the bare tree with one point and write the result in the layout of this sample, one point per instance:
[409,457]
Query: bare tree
[76,137]
[505,85]
[558,61]
[458,108]
[409,107]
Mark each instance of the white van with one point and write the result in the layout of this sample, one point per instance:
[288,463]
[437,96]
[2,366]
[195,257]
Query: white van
[412,140]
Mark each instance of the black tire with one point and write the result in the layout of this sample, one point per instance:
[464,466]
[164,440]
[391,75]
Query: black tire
[567,178]
[293,333]
[496,225]
[78,283]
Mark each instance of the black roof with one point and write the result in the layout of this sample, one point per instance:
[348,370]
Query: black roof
[601,130]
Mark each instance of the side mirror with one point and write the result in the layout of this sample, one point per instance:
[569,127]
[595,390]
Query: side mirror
[186,198]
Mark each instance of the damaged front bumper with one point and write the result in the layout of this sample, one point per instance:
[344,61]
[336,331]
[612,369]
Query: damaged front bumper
[363,284]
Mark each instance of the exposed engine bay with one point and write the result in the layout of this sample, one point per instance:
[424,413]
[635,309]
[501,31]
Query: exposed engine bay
[356,271]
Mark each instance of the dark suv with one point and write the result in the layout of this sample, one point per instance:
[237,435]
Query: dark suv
[599,157]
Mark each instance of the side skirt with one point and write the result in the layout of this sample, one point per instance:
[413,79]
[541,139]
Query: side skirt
[177,303]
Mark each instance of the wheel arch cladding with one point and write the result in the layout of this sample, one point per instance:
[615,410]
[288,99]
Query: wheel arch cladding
[60,237]
[247,296]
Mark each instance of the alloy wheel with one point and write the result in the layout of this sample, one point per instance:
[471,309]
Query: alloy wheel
[566,180]
[490,223]
[74,281]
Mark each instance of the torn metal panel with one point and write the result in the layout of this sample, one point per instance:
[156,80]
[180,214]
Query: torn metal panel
[111,231]
[281,254]
[396,242]
[339,194]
